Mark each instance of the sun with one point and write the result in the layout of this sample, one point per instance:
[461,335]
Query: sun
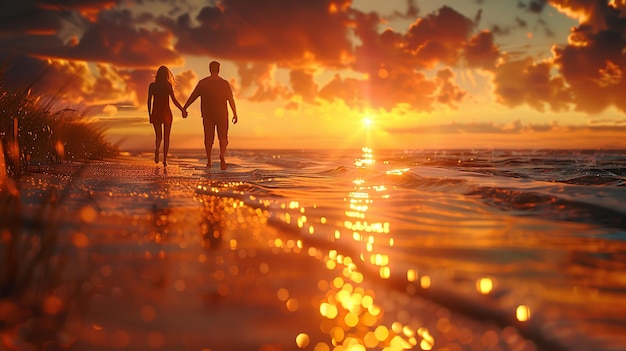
[367,122]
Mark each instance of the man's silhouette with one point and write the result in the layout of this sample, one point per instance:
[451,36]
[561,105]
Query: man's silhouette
[214,92]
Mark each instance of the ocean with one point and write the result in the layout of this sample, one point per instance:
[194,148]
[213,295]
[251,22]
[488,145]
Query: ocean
[533,240]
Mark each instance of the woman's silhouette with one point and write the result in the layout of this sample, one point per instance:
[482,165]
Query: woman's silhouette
[159,93]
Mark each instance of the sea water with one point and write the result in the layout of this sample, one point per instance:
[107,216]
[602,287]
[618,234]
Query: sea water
[534,239]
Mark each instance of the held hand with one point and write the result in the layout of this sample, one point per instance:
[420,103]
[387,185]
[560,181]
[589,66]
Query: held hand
[184,113]
[235,119]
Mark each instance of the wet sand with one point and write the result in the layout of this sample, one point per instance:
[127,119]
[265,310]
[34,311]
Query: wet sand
[157,265]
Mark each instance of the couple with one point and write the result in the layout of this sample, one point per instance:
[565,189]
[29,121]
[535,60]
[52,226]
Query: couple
[213,91]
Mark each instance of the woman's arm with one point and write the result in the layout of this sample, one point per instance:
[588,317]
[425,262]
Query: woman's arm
[150,96]
[180,107]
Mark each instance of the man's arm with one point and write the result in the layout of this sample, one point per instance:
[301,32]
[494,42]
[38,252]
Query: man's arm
[194,95]
[231,102]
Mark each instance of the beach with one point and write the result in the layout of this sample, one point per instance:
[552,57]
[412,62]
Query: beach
[184,258]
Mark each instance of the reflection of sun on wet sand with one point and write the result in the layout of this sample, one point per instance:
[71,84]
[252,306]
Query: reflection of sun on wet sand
[161,262]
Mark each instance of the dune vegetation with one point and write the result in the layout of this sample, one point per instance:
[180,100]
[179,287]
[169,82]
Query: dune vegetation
[37,130]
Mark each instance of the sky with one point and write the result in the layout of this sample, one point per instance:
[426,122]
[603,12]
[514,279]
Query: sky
[309,74]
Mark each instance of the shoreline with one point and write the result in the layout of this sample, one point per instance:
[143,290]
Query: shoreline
[154,264]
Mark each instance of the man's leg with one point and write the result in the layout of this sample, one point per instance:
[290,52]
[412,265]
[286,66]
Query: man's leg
[209,135]
[222,135]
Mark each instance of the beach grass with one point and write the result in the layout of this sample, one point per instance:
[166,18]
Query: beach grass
[36,129]
[35,297]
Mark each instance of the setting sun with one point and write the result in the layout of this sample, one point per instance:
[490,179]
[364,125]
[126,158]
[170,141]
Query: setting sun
[367,122]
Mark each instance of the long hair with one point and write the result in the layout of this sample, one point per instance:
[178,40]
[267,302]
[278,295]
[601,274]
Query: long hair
[164,75]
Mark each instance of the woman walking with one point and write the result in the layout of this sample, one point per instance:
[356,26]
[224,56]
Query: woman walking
[159,93]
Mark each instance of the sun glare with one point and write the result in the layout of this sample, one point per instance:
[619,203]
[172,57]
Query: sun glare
[367,122]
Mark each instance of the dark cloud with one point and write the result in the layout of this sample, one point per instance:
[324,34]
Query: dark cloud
[259,79]
[282,31]
[114,39]
[592,62]
[101,34]
[481,51]
[303,84]
[520,82]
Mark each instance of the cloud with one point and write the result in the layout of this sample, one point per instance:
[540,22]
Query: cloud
[114,39]
[481,51]
[84,30]
[592,62]
[514,128]
[521,82]
[283,31]
[303,84]
[260,79]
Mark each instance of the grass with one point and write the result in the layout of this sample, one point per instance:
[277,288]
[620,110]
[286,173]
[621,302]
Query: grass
[36,297]
[35,129]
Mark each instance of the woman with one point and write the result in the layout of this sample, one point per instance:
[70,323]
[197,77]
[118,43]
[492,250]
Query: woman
[159,93]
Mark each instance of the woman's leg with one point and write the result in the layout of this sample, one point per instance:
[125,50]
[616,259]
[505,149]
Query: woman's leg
[158,135]
[167,128]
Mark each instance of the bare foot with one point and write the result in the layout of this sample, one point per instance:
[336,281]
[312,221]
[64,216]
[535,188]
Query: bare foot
[156,155]
[222,164]
[208,163]
[164,163]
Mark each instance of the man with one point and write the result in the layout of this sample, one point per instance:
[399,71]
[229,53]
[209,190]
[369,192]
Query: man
[214,92]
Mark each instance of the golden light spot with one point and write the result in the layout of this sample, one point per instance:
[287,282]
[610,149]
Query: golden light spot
[374,310]
[351,319]
[292,305]
[338,282]
[381,333]
[428,341]
[385,272]
[522,313]
[80,240]
[320,346]
[264,268]
[96,326]
[233,244]
[425,282]
[331,264]
[398,343]
[411,275]
[147,313]
[370,340]
[302,340]
[484,286]
[282,294]
[87,214]
[337,334]
[367,301]
[383,73]
[328,310]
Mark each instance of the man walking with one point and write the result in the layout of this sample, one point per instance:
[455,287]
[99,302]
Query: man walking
[214,92]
